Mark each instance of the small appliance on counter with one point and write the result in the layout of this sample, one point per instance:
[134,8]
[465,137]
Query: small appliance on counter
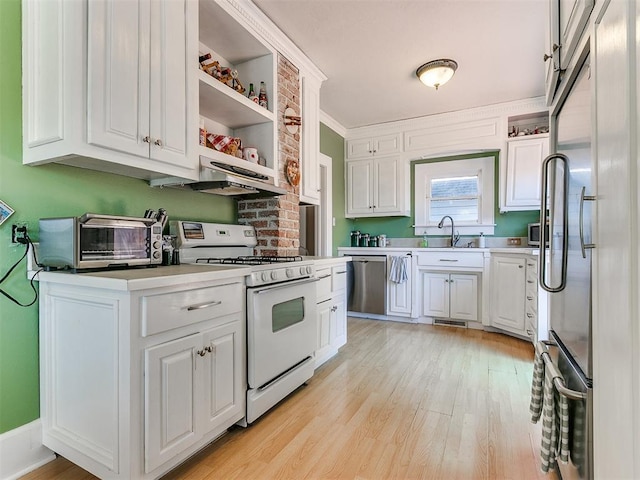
[95,242]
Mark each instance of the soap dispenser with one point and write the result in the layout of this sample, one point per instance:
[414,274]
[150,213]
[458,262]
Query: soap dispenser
[481,241]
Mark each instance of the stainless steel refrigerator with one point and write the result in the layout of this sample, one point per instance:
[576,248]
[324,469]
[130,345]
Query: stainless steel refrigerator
[565,265]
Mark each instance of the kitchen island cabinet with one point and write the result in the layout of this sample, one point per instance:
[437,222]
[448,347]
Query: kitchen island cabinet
[141,368]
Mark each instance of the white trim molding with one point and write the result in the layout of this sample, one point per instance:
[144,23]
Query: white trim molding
[333,124]
[21,451]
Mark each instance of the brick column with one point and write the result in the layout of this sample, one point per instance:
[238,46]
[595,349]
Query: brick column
[277,219]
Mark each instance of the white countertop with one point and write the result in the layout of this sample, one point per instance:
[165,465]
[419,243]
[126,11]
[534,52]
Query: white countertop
[328,260]
[385,250]
[145,278]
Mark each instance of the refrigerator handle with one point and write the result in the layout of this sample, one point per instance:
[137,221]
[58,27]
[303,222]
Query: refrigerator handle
[558,379]
[542,269]
[583,198]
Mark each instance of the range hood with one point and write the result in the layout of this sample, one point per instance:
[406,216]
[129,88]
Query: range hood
[229,180]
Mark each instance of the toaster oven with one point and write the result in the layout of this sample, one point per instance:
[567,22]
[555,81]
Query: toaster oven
[99,241]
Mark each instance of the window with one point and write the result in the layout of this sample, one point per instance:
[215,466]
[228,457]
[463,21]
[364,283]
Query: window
[455,196]
[462,189]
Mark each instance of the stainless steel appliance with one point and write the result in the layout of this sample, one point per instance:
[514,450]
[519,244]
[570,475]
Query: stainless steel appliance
[95,241]
[565,266]
[367,278]
[280,306]
[533,234]
[227,179]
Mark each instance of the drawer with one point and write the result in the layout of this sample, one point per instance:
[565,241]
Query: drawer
[453,259]
[323,285]
[339,278]
[172,310]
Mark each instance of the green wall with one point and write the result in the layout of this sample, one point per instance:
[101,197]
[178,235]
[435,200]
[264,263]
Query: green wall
[510,224]
[55,190]
[332,145]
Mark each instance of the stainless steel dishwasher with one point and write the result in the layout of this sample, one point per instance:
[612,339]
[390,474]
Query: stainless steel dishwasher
[367,284]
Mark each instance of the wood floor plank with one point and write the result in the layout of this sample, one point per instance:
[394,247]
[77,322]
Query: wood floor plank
[399,401]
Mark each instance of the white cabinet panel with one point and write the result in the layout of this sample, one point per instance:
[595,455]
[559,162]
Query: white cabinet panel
[170,391]
[387,186]
[378,145]
[310,182]
[223,387]
[360,187]
[523,173]
[435,294]
[400,295]
[508,293]
[464,297]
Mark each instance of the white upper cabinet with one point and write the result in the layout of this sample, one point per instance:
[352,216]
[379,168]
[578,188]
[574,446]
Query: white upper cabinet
[106,86]
[378,145]
[376,187]
[567,21]
[137,80]
[310,181]
[523,172]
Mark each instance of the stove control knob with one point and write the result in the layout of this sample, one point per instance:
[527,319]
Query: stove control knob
[309,270]
[274,275]
[156,255]
[265,276]
[156,244]
[290,272]
[303,270]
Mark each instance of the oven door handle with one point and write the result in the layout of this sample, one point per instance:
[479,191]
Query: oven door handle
[285,285]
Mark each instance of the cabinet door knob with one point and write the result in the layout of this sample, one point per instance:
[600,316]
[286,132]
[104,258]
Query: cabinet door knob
[146,139]
[158,142]
[520,266]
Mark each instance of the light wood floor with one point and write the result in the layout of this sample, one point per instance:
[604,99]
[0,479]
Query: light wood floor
[400,401]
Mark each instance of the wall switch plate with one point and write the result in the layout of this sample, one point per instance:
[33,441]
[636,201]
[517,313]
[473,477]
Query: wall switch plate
[513,241]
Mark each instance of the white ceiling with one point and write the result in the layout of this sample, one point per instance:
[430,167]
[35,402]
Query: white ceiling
[370,50]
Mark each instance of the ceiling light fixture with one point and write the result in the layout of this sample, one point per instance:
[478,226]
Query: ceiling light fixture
[437,72]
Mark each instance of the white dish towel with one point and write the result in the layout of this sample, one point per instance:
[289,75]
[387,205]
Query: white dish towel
[398,270]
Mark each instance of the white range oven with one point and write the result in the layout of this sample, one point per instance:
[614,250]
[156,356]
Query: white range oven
[281,308]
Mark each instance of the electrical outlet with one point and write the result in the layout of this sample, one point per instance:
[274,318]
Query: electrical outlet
[513,241]
[19,233]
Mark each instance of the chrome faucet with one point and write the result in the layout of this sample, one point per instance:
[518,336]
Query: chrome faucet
[454,237]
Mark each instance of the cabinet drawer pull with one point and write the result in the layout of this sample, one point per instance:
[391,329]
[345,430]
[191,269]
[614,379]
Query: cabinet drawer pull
[530,281]
[520,266]
[204,305]
[530,332]
[338,273]
[529,297]
[530,315]
[448,259]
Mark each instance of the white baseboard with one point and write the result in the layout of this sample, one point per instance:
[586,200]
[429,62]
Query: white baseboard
[21,451]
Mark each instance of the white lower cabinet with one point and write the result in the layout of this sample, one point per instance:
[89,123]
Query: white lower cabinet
[400,295]
[332,311]
[450,295]
[516,305]
[128,389]
[189,386]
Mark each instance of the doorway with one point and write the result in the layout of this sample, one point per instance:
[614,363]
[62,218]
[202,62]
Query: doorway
[316,221]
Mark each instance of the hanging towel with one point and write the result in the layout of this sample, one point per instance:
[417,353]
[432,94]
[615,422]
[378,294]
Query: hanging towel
[547,403]
[398,270]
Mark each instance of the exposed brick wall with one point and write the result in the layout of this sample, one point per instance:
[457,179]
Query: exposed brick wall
[277,220]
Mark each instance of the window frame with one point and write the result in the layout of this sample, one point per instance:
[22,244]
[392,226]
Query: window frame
[482,166]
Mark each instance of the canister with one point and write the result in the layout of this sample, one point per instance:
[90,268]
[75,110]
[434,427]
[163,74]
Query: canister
[373,241]
[364,240]
[355,238]
[382,240]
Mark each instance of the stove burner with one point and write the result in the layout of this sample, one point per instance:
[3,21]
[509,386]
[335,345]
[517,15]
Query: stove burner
[252,260]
